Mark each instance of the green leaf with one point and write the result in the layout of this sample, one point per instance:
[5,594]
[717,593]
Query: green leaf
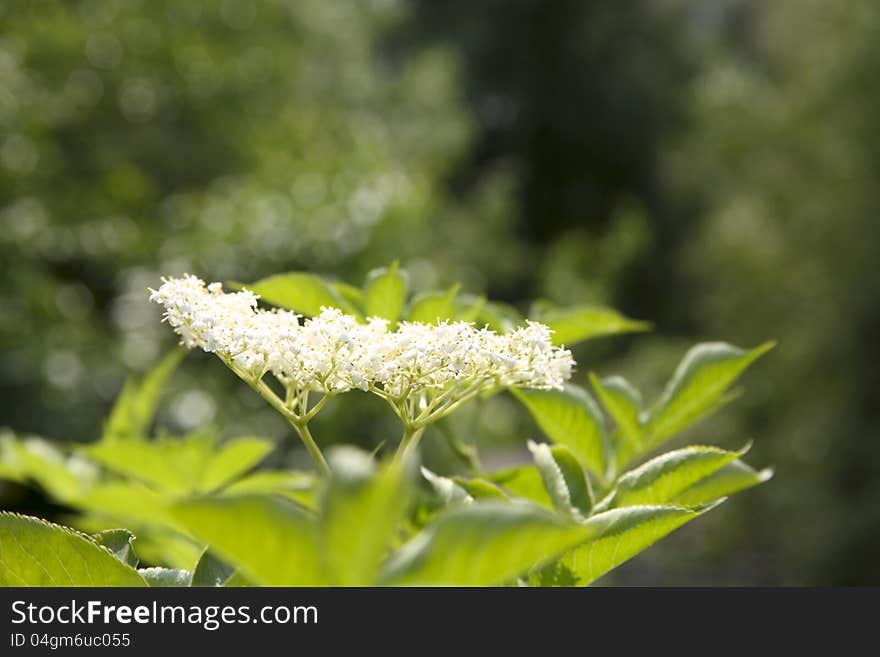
[579,489]
[576,324]
[232,459]
[299,291]
[555,574]
[133,412]
[662,479]
[34,552]
[180,465]
[697,387]
[623,533]
[63,477]
[624,405]
[449,492]
[499,317]
[523,481]
[167,463]
[10,467]
[298,486]
[564,479]
[360,513]
[272,481]
[166,577]
[351,293]
[470,307]
[730,479]
[211,571]
[272,540]
[169,547]
[482,544]
[120,542]
[385,293]
[127,501]
[479,489]
[570,417]
[433,306]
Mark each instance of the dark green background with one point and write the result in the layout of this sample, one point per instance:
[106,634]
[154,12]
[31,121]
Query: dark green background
[712,166]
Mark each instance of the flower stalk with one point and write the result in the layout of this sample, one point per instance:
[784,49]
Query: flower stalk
[287,408]
[409,442]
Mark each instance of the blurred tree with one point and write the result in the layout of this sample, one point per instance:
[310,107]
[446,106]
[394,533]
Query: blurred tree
[577,97]
[226,138]
[783,160]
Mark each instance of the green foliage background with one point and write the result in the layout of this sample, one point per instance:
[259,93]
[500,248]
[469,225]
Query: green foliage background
[709,166]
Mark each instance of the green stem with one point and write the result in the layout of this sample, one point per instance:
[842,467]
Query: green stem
[317,407]
[409,442]
[448,407]
[299,423]
[308,440]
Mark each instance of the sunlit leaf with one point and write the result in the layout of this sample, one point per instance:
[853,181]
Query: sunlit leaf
[272,540]
[34,552]
[230,460]
[576,324]
[433,306]
[212,571]
[662,479]
[166,577]
[10,467]
[299,291]
[127,501]
[159,544]
[697,388]
[449,492]
[623,404]
[180,465]
[570,417]
[385,293]
[730,479]
[360,512]
[621,534]
[499,317]
[470,308]
[482,544]
[298,486]
[272,481]
[351,293]
[523,481]
[167,463]
[479,488]
[120,543]
[563,479]
[62,476]
[135,407]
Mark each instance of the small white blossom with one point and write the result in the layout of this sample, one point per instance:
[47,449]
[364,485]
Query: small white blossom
[435,364]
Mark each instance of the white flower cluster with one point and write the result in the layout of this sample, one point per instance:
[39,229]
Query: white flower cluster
[333,352]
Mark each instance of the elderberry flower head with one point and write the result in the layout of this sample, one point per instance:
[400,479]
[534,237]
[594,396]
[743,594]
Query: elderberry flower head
[334,352]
